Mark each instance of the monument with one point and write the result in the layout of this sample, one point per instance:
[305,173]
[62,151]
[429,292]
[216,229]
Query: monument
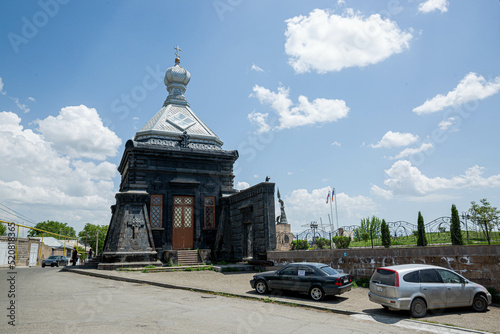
[177,192]
[284,235]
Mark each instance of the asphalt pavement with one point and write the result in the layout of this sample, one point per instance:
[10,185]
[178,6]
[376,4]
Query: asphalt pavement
[354,303]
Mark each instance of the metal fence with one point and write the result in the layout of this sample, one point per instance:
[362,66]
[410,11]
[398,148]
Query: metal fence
[403,233]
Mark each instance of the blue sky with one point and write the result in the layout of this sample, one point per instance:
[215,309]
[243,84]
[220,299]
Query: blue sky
[393,103]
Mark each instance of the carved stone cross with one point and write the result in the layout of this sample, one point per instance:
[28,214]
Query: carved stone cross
[135,225]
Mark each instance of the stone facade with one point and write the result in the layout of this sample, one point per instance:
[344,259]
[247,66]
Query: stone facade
[247,229]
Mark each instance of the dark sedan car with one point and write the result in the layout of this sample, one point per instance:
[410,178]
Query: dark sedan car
[55,260]
[316,279]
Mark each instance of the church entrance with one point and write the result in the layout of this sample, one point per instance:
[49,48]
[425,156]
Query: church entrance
[182,229]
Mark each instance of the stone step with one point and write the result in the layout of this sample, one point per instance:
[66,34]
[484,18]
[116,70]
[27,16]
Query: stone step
[188,257]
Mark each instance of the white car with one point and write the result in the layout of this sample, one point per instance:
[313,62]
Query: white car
[420,287]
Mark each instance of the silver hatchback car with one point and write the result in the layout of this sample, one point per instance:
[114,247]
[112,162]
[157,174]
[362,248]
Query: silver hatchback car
[420,287]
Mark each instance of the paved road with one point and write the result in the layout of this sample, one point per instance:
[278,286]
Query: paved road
[53,301]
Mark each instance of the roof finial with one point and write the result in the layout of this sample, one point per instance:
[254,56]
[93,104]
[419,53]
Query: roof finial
[178,57]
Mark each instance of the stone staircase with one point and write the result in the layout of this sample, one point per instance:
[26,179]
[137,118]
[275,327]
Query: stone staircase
[188,258]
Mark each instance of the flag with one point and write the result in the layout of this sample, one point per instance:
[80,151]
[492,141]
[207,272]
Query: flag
[333,191]
[328,197]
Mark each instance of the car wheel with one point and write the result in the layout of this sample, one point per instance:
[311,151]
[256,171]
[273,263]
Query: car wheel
[51,264]
[418,308]
[261,287]
[43,265]
[385,307]
[480,304]
[317,293]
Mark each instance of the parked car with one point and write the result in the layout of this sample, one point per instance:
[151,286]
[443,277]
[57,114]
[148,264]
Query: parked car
[55,260]
[420,287]
[316,279]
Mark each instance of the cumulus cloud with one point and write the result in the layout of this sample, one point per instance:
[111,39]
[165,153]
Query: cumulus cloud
[303,113]
[242,185]
[256,68]
[411,151]
[432,5]
[324,41]
[303,206]
[78,131]
[336,143]
[407,180]
[49,184]
[471,88]
[395,139]
[260,120]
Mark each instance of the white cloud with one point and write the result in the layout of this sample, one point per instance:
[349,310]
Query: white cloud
[395,139]
[303,206]
[289,173]
[256,68]
[336,143]
[410,151]
[260,120]
[432,5]
[31,99]
[340,2]
[242,185]
[304,113]
[48,184]
[1,87]
[78,131]
[21,106]
[445,124]
[471,88]
[407,180]
[384,193]
[325,42]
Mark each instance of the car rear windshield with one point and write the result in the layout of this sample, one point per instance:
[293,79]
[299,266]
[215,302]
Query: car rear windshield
[384,276]
[329,270]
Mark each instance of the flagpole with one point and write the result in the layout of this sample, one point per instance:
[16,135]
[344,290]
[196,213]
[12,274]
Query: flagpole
[331,211]
[336,211]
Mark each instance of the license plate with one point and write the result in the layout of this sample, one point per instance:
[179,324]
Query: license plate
[346,280]
[379,288]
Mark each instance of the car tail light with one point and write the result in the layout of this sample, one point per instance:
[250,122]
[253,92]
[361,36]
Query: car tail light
[338,281]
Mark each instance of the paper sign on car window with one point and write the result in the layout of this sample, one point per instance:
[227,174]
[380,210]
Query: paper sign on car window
[302,273]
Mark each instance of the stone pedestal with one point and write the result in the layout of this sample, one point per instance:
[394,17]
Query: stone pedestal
[284,237]
[129,239]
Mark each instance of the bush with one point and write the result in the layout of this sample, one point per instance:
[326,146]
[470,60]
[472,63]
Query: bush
[322,243]
[341,242]
[302,244]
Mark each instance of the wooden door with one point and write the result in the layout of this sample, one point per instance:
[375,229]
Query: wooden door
[182,222]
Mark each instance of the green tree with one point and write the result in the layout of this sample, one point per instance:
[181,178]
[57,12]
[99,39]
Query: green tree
[3,229]
[54,227]
[421,237]
[369,228]
[455,231]
[386,234]
[484,215]
[90,232]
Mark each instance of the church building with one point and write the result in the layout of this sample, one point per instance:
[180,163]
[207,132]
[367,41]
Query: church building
[177,192]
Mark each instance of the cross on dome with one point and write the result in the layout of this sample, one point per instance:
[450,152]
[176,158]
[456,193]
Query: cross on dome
[177,52]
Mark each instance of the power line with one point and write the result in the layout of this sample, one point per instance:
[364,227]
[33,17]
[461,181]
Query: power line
[18,215]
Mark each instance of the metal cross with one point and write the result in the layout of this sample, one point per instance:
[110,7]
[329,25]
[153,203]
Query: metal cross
[177,53]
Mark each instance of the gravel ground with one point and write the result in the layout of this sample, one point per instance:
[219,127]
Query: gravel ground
[355,300]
